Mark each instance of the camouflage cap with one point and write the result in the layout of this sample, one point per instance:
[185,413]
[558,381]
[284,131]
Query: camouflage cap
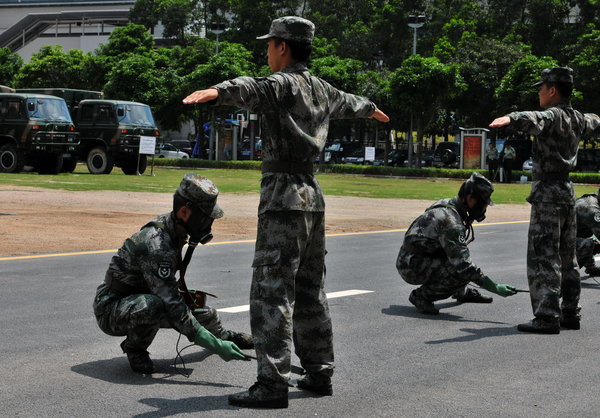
[556,75]
[202,193]
[291,28]
[480,187]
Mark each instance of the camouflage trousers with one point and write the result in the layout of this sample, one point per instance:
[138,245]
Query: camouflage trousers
[139,317]
[434,272]
[287,299]
[585,252]
[551,268]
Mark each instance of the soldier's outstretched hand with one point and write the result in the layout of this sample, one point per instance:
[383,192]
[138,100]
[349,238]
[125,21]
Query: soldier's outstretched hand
[505,290]
[380,116]
[201,96]
[498,122]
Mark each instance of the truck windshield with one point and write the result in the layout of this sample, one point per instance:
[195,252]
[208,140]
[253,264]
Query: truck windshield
[54,110]
[137,115]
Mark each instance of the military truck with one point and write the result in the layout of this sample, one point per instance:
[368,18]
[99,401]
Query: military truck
[36,130]
[110,130]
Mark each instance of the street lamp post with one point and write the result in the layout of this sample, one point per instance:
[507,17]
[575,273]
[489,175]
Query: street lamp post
[217,29]
[415,22]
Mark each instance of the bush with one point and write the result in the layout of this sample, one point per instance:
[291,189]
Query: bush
[453,173]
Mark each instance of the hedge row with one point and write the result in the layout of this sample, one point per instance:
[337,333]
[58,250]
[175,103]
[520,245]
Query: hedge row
[586,178]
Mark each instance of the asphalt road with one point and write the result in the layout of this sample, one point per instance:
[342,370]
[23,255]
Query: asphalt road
[390,360]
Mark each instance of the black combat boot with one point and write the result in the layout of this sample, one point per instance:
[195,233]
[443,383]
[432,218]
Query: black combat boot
[319,385]
[422,305]
[539,326]
[241,339]
[139,360]
[260,396]
[592,271]
[570,322]
[472,296]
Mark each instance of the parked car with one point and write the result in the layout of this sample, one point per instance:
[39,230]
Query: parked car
[182,145]
[355,157]
[528,165]
[588,160]
[337,150]
[169,151]
[447,154]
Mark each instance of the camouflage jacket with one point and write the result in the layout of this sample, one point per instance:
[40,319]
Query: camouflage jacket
[441,232]
[558,131]
[296,108]
[149,260]
[588,216]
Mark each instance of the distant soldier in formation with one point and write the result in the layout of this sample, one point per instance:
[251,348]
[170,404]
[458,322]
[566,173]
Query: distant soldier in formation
[588,231]
[287,297]
[140,294]
[551,268]
[434,253]
[492,160]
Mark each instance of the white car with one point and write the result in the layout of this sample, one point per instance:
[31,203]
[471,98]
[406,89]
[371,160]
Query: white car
[528,165]
[169,151]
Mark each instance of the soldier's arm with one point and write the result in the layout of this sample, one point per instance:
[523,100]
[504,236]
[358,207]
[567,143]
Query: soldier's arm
[245,92]
[159,273]
[453,241]
[532,122]
[348,106]
[592,125]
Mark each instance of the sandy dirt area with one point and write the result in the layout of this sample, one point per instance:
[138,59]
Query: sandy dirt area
[37,220]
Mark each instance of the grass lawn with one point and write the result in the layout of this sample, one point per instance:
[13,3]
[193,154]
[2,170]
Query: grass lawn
[166,180]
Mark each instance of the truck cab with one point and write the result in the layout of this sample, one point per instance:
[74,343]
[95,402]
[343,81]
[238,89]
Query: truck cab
[111,131]
[36,130]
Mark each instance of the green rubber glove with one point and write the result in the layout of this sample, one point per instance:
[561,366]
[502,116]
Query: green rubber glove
[503,290]
[225,349]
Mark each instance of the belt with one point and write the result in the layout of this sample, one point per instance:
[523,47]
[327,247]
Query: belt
[550,176]
[124,289]
[291,167]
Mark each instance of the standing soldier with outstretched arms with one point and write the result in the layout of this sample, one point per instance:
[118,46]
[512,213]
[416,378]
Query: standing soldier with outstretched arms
[287,298]
[551,267]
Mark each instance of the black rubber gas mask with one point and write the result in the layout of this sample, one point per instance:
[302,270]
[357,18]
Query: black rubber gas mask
[477,212]
[198,226]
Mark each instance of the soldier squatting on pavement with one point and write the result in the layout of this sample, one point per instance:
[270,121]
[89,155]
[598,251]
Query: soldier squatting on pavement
[140,294]
[588,230]
[434,253]
[287,299]
[551,268]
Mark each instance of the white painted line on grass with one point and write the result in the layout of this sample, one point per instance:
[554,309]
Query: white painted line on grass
[332,295]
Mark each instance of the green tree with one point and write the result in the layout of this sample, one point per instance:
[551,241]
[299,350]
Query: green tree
[339,72]
[146,13]
[51,67]
[176,15]
[515,91]
[586,66]
[10,64]
[421,86]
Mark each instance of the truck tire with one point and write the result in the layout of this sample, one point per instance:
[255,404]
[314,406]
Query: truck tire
[129,167]
[10,159]
[69,165]
[51,164]
[99,161]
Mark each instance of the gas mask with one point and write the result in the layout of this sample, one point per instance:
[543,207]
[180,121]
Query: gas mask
[477,212]
[198,226]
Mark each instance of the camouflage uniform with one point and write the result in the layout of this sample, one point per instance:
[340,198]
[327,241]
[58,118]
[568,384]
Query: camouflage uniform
[588,229]
[434,253]
[551,268]
[287,297]
[147,263]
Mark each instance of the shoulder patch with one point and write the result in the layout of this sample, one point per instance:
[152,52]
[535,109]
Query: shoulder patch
[164,270]
[462,238]
[597,217]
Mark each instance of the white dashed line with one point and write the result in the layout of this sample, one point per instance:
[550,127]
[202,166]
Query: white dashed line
[340,294]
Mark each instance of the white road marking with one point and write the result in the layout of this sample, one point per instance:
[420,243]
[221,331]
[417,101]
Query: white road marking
[340,294]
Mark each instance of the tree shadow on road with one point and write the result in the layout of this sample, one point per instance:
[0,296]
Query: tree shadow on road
[117,370]
[411,312]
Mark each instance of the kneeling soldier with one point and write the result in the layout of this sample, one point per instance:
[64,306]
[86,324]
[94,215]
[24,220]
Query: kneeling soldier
[587,213]
[435,254]
[140,294]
